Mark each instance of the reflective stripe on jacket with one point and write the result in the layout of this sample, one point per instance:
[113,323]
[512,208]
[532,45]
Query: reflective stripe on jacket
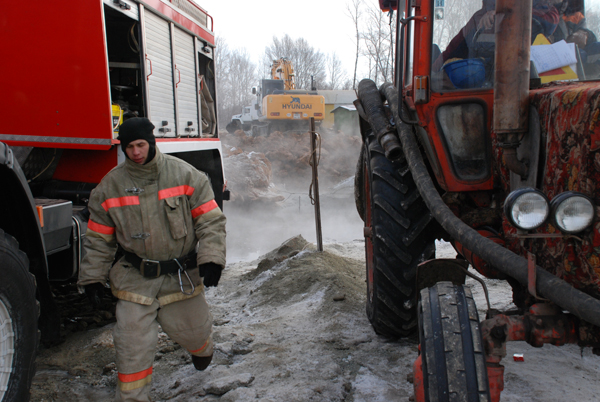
[158,211]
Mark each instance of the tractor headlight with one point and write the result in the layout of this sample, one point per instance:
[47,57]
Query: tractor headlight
[526,208]
[572,212]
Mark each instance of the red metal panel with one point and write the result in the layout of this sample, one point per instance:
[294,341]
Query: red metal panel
[54,74]
[85,165]
[421,66]
[427,113]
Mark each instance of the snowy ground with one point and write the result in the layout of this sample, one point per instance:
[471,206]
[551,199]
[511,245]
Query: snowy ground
[292,327]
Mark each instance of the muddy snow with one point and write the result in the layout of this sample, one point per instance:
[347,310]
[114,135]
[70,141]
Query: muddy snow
[290,322]
[291,326]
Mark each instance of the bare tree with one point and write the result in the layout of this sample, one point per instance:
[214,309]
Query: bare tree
[348,84]
[455,14]
[353,11]
[236,75]
[378,40]
[308,63]
[592,20]
[335,73]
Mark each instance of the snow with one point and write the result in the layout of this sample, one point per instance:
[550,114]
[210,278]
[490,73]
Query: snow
[290,325]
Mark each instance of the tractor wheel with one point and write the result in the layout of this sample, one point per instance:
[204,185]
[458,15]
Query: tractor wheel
[18,322]
[359,186]
[399,234]
[452,355]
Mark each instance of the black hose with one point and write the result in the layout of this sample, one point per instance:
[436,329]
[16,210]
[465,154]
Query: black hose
[549,286]
[373,106]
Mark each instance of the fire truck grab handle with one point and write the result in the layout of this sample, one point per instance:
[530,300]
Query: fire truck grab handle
[148,76]
[179,73]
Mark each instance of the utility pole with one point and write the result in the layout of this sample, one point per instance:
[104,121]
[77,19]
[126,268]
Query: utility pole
[315,183]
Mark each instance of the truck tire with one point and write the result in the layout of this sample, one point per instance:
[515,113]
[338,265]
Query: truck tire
[233,126]
[401,236]
[452,355]
[18,322]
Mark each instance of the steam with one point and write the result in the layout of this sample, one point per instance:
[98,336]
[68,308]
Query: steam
[260,216]
[255,230]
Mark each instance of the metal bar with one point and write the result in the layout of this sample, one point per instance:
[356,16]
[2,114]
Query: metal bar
[531,276]
[177,129]
[55,140]
[315,183]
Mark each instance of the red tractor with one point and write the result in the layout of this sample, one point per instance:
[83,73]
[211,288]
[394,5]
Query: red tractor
[489,138]
[71,73]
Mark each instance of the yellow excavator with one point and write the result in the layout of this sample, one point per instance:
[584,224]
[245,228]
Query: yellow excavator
[279,106]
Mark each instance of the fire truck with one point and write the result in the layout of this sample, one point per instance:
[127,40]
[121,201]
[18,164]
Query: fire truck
[488,138]
[71,73]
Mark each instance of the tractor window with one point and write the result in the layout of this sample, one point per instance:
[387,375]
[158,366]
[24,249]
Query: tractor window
[464,42]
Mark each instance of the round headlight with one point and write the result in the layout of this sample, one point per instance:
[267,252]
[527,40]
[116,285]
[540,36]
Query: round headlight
[572,212]
[526,208]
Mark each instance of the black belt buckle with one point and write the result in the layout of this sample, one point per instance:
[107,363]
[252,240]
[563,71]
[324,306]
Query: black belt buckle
[150,268]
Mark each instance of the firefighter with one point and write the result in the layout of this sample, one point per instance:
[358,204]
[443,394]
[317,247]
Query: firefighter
[160,213]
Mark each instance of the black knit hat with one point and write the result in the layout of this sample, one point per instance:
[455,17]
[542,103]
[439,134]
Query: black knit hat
[137,128]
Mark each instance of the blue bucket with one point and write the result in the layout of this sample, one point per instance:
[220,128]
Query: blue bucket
[466,73]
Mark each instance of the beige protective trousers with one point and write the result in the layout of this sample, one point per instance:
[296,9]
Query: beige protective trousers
[187,322]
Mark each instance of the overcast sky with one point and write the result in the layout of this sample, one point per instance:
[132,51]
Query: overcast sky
[325,24]
[252,25]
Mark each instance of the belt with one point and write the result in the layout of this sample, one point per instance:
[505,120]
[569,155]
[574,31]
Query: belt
[154,269]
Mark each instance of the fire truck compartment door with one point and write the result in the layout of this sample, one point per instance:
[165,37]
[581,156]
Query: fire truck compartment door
[127,7]
[187,102]
[161,93]
[54,75]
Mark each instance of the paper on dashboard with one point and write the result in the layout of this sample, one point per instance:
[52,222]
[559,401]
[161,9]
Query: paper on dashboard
[550,57]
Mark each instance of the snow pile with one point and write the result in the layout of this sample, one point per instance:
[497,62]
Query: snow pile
[291,326]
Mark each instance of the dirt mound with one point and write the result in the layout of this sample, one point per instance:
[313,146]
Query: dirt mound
[297,332]
[287,156]
[250,178]
[288,249]
[290,274]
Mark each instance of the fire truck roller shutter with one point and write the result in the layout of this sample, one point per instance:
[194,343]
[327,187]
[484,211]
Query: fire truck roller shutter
[186,88]
[161,99]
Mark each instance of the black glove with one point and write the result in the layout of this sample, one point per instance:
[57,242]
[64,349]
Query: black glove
[211,273]
[95,293]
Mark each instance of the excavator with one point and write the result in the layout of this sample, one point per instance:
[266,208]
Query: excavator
[278,105]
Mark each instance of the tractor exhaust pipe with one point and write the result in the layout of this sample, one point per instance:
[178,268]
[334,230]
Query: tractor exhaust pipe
[373,106]
[511,80]
[549,286]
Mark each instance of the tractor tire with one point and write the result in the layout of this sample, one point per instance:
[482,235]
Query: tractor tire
[359,187]
[452,354]
[399,235]
[19,336]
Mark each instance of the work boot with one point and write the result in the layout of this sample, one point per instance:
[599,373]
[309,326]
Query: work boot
[201,362]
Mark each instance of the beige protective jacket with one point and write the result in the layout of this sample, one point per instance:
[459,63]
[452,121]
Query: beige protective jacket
[158,211]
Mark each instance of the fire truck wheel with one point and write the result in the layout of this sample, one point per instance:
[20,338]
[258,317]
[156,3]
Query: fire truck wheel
[359,184]
[399,234]
[452,355]
[18,322]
